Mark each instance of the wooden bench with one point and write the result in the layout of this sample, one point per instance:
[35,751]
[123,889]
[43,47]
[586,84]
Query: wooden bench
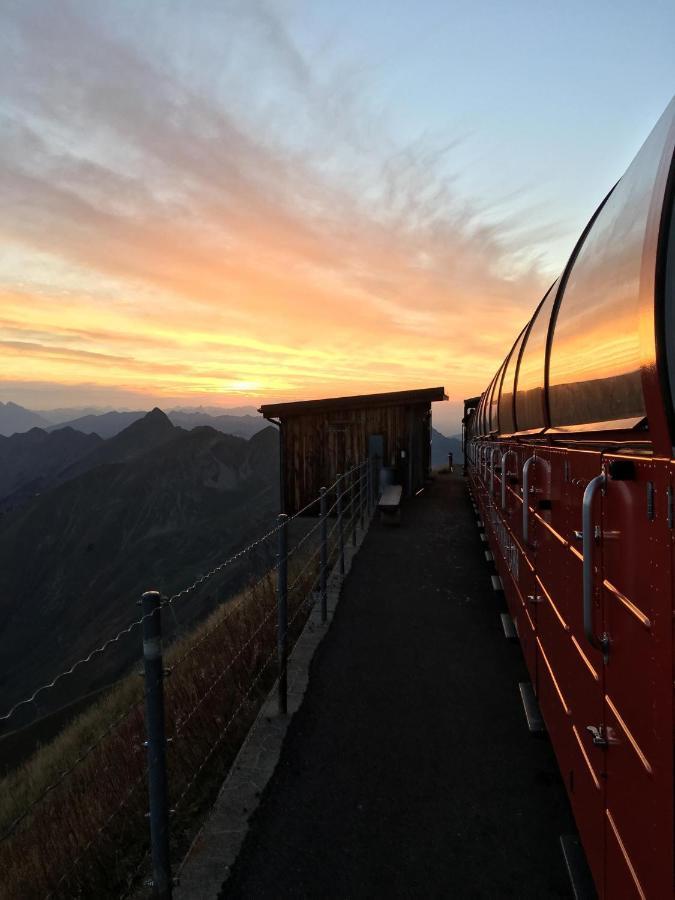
[390,504]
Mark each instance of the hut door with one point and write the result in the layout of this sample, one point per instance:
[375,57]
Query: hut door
[376,447]
[375,456]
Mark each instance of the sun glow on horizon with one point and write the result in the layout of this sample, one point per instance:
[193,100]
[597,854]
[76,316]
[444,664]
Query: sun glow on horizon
[197,249]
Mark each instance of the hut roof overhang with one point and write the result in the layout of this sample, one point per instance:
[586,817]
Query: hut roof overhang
[391,398]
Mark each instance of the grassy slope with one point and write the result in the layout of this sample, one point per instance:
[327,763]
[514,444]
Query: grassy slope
[88,836]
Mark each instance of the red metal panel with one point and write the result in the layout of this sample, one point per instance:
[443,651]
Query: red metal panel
[622,791]
[581,669]
[636,598]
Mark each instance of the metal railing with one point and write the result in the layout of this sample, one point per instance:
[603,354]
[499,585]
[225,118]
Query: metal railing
[300,576]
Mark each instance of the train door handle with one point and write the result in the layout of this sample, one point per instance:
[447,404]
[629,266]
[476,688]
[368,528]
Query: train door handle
[505,457]
[588,533]
[598,734]
[492,470]
[526,490]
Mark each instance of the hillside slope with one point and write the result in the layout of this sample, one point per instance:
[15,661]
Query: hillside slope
[31,461]
[74,562]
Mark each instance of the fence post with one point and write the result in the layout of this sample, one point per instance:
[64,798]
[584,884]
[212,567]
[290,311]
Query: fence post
[324,557]
[340,527]
[362,493]
[153,666]
[354,505]
[369,486]
[282,613]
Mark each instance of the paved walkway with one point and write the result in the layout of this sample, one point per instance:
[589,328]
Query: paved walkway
[408,771]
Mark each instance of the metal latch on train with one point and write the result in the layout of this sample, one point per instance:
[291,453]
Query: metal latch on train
[598,732]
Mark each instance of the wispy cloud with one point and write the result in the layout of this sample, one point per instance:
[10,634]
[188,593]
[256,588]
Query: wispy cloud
[207,206]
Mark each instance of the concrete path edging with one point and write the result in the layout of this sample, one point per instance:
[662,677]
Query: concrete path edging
[214,850]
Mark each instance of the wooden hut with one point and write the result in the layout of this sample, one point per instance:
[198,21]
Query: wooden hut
[321,438]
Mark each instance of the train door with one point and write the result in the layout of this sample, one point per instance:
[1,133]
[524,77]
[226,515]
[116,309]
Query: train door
[555,654]
[583,677]
[521,557]
[635,591]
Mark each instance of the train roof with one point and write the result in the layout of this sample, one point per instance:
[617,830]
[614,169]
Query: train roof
[598,354]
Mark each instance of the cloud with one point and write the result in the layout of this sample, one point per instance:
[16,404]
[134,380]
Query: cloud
[240,202]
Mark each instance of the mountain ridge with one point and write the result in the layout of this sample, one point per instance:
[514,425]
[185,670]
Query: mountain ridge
[15,419]
[74,559]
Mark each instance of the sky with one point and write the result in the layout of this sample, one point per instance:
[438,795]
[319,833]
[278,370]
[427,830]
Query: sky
[231,203]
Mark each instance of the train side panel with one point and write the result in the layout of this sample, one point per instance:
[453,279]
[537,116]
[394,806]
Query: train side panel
[609,715]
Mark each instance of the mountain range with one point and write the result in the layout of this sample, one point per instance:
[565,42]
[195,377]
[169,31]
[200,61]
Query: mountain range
[244,421]
[15,418]
[441,446]
[151,508]
[33,461]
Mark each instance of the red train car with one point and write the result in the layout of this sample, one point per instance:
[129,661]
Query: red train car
[571,460]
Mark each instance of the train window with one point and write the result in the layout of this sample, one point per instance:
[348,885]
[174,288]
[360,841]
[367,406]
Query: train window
[488,405]
[479,416]
[506,422]
[594,369]
[494,401]
[484,408]
[530,411]
[670,310]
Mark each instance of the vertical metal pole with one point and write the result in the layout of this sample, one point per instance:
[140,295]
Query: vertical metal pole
[153,666]
[340,527]
[324,556]
[362,493]
[354,507]
[282,613]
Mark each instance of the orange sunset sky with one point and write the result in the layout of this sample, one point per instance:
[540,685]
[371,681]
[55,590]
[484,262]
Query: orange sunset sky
[223,204]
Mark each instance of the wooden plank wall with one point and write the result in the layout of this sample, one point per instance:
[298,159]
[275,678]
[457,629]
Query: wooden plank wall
[319,445]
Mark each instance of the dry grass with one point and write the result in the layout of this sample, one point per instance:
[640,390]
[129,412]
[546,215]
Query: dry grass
[88,836]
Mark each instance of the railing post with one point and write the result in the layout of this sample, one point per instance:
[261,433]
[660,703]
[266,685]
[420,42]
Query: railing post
[153,666]
[324,557]
[353,506]
[282,613]
[340,527]
[362,494]
[369,486]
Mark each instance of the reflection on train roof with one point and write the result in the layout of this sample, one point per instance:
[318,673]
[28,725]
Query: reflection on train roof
[596,355]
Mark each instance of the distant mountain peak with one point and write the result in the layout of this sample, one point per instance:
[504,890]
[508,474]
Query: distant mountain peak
[157,415]
[15,419]
[153,424]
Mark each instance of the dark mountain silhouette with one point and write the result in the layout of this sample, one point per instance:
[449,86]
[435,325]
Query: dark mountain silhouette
[76,559]
[62,415]
[441,446]
[143,435]
[105,425]
[31,462]
[14,418]
[109,424]
[242,426]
